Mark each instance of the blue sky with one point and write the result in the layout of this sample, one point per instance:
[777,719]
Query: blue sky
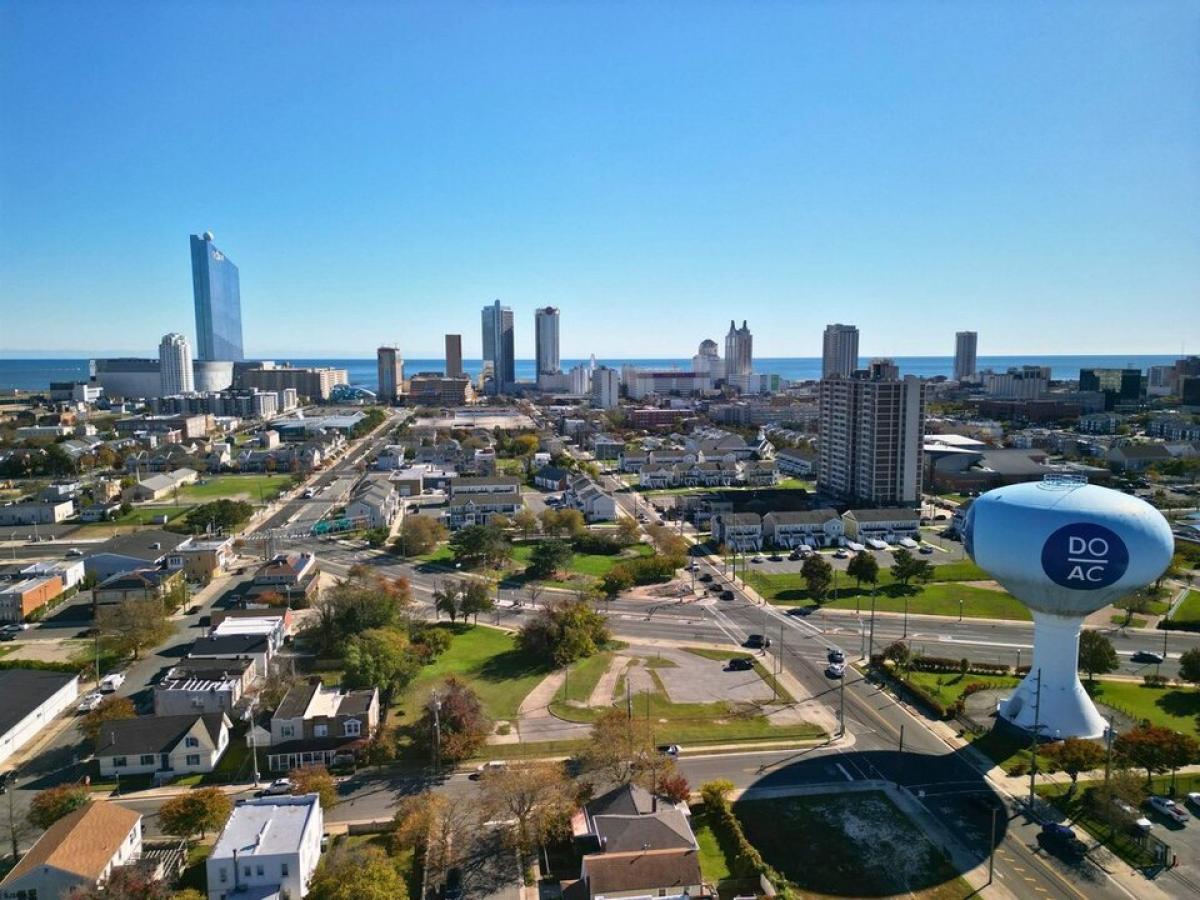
[379,171]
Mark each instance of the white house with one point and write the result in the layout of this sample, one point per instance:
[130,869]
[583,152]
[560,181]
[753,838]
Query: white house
[164,746]
[29,701]
[270,847]
[78,851]
[375,503]
[887,525]
[738,531]
[810,528]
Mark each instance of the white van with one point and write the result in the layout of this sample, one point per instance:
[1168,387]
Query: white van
[109,683]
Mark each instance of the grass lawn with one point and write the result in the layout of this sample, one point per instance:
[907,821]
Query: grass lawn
[250,488]
[489,661]
[195,874]
[716,859]
[849,845]
[442,556]
[582,678]
[145,515]
[1135,622]
[234,765]
[1150,606]
[1189,609]
[1172,707]
[595,565]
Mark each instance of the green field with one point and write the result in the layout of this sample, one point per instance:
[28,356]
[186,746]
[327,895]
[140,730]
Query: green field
[953,684]
[145,515]
[1189,609]
[1173,707]
[592,565]
[717,858]
[849,845]
[251,488]
[581,680]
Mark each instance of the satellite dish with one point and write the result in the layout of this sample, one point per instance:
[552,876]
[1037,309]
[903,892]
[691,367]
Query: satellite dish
[1064,548]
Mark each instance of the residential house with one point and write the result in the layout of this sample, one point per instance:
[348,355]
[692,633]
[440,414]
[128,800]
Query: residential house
[202,558]
[77,852]
[158,486]
[738,531]
[479,509]
[374,503]
[811,528]
[268,626]
[146,549]
[21,600]
[163,746]
[607,447]
[255,647]
[552,478]
[887,525]
[494,485]
[269,848]
[195,686]
[633,461]
[315,725]
[290,575]
[585,495]
[29,700]
[796,462]
[656,476]
[140,584]
[760,473]
[1138,457]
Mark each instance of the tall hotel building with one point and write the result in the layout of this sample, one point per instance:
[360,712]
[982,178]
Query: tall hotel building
[218,302]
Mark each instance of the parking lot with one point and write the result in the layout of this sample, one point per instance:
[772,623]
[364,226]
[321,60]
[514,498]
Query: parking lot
[944,551]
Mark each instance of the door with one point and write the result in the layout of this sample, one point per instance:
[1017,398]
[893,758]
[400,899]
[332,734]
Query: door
[165,765]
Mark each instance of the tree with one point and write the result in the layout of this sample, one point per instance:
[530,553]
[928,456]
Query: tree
[716,793]
[420,534]
[675,788]
[414,820]
[129,627]
[536,796]
[526,521]
[362,600]
[667,542]
[1074,756]
[1146,747]
[481,545]
[548,558]
[1189,665]
[551,522]
[475,597]
[219,515]
[1180,750]
[129,882]
[379,657]
[619,748]
[818,575]
[51,804]
[361,873]
[196,812]
[314,780]
[456,713]
[628,530]
[616,580]
[1097,655]
[564,630]
[898,653]
[447,598]
[1124,786]
[572,522]
[111,709]
[863,567]
[905,566]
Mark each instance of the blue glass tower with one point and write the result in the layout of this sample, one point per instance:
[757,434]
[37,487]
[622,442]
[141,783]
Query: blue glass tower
[218,302]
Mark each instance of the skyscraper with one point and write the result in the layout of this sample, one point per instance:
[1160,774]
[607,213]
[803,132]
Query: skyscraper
[739,351]
[964,355]
[840,352]
[872,432]
[453,355]
[546,339]
[175,365]
[498,346]
[218,301]
[391,373]
[606,387]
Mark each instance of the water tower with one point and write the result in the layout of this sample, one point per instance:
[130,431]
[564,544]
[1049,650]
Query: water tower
[1064,548]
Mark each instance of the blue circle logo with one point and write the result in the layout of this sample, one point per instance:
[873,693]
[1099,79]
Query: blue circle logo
[1084,556]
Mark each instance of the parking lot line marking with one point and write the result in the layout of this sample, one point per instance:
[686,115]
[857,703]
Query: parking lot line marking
[849,777]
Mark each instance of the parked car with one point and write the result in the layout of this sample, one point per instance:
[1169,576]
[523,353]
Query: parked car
[835,655]
[111,682]
[775,557]
[840,554]
[706,576]
[1147,656]
[74,551]
[692,566]
[1061,839]
[278,787]
[11,628]
[925,548]
[835,670]
[758,559]
[88,702]
[1169,809]
[758,641]
[741,664]
[669,749]
[726,595]
[7,636]
[495,765]
[794,555]
[1193,800]
[1141,823]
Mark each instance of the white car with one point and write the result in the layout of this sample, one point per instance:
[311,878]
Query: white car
[279,786]
[1139,822]
[1193,800]
[1167,807]
[109,683]
[74,551]
[89,702]
[835,670]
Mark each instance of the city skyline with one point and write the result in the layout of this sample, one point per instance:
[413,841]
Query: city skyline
[763,193]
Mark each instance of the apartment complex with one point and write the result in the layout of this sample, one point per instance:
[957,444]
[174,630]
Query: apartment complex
[498,346]
[872,430]
[391,373]
[839,352]
[965,343]
[175,365]
[453,355]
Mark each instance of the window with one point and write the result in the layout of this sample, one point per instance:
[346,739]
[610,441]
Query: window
[353,728]
[246,871]
[191,742]
[224,877]
[320,730]
[287,731]
[193,759]
[119,762]
[283,870]
[147,759]
[258,870]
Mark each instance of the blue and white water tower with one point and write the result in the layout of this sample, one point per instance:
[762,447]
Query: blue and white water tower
[1064,548]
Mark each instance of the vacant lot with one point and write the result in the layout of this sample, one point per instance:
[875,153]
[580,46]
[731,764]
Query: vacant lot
[251,488]
[849,845]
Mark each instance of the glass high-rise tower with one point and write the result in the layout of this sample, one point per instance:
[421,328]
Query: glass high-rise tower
[218,302]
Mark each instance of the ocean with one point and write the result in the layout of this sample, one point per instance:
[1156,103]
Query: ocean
[36,374]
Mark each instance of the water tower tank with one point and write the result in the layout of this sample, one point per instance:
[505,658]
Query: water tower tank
[1064,548]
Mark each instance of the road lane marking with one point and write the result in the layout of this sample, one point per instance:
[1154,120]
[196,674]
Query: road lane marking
[841,769]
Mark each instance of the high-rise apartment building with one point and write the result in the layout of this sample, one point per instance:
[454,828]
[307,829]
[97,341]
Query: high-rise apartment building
[454,355]
[1119,386]
[606,387]
[546,339]
[175,365]
[498,346]
[739,351]
[218,301]
[391,373]
[965,343]
[872,431]
[839,355]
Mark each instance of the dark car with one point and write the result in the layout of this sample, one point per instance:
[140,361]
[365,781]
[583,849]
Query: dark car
[1061,839]
[706,577]
[835,656]
[794,555]
[726,595]
[1147,656]
[758,641]
[741,664]
[453,888]
[775,557]
[7,636]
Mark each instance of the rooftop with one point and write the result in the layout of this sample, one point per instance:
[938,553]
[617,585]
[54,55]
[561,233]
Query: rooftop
[24,690]
[152,734]
[82,842]
[266,826]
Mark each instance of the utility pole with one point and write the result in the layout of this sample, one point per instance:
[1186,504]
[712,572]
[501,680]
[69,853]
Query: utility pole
[992,854]
[437,735]
[862,643]
[872,625]
[842,705]
[1108,745]
[901,737]
[1037,725]
[905,616]
[253,741]
[12,817]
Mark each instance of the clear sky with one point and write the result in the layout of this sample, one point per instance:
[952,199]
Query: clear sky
[379,171]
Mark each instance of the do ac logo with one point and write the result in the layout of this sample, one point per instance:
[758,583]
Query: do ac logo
[1084,556]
